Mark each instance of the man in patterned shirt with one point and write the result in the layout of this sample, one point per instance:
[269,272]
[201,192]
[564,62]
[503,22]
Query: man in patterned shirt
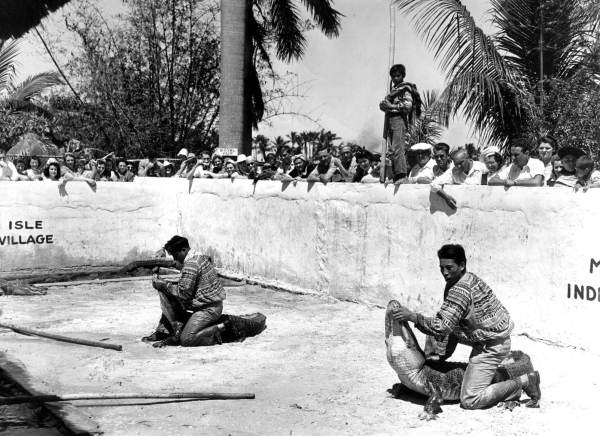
[474,315]
[192,305]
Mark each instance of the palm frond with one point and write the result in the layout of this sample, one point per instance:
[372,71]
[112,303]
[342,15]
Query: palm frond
[450,31]
[33,86]
[287,22]
[430,125]
[8,54]
[557,29]
[326,17]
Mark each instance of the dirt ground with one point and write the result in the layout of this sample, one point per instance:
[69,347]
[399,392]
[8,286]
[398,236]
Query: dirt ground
[318,369]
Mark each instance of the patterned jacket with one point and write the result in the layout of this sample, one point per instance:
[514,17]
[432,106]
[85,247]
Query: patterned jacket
[199,283]
[471,311]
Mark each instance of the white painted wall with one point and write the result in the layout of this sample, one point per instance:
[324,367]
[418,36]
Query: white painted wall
[364,243]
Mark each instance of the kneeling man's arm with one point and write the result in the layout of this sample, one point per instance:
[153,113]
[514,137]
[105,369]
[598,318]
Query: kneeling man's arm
[185,288]
[454,309]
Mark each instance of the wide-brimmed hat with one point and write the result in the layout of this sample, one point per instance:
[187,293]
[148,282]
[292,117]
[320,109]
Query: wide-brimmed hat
[183,152]
[421,146]
[574,151]
[490,151]
[241,158]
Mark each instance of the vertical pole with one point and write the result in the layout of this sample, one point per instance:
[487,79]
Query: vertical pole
[391,55]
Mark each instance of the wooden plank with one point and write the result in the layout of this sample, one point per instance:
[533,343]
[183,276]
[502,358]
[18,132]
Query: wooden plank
[76,421]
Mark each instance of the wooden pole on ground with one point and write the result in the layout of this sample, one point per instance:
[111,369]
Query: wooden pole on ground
[128,396]
[29,332]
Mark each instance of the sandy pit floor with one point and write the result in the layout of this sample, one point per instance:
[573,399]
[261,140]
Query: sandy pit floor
[319,368]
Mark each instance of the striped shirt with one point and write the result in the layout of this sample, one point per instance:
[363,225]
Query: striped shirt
[471,311]
[199,283]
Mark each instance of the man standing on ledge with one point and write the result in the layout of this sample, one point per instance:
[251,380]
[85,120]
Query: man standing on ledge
[191,306]
[472,312]
[402,102]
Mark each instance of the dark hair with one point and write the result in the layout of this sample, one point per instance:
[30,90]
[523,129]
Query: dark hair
[454,252]
[523,144]
[584,162]
[498,158]
[37,159]
[363,154]
[442,146]
[548,140]
[176,243]
[398,68]
[47,170]
[121,159]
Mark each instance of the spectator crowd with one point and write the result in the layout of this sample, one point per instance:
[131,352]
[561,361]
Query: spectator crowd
[541,164]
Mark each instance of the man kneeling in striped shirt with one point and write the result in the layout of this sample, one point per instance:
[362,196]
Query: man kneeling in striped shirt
[191,306]
[473,314]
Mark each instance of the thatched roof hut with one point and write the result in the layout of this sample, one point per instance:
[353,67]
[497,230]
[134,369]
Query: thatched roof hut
[19,16]
[31,144]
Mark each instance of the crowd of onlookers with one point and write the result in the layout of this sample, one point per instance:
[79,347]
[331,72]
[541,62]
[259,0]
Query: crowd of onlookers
[541,164]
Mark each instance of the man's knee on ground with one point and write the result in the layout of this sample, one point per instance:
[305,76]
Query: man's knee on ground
[469,402]
[186,342]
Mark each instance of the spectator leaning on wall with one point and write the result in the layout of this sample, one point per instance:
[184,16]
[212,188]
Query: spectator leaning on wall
[422,171]
[464,172]
[493,161]
[123,174]
[524,170]
[7,168]
[34,172]
[325,169]
[364,170]
[587,176]
[441,156]
[566,176]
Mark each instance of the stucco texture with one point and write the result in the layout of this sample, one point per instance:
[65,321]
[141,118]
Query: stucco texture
[364,243]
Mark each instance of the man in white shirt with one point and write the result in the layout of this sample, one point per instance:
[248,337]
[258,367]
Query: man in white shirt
[441,156]
[422,171]
[524,170]
[464,172]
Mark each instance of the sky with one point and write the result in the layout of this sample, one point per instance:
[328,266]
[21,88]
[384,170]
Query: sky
[343,79]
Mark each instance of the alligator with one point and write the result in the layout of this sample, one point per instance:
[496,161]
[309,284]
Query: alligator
[438,381]
[20,287]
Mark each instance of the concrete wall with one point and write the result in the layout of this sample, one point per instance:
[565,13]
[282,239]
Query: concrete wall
[364,243]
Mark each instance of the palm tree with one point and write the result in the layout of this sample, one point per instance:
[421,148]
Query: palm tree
[428,127]
[20,97]
[501,82]
[280,141]
[248,29]
[19,16]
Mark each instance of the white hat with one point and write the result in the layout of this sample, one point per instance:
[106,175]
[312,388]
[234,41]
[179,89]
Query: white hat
[249,159]
[51,161]
[490,150]
[241,158]
[183,152]
[421,146]
[167,164]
